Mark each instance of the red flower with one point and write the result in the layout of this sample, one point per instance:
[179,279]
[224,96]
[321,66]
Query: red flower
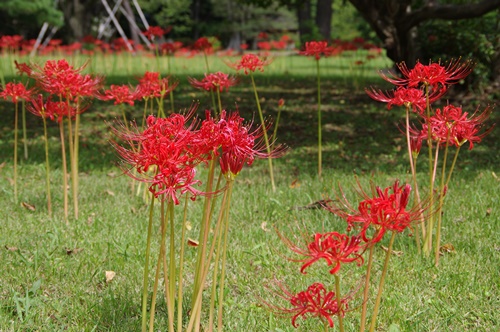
[409,97]
[61,79]
[333,247]
[154,31]
[16,91]
[386,211]
[452,126]
[316,301]
[167,146]
[213,82]
[120,94]
[250,63]
[317,49]
[433,75]
[241,144]
[203,44]
[151,86]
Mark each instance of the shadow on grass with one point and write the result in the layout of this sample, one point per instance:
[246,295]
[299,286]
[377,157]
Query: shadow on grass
[359,134]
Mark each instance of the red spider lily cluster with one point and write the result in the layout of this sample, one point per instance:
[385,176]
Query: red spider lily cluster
[250,63]
[15,92]
[386,210]
[316,301]
[167,152]
[214,82]
[417,89]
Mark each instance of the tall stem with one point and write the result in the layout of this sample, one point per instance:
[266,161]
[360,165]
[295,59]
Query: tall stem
[65,170]
[319,120]
[146,266]
[172,268]
[224,255]
[430,224]
[47,165]
[25,138]
[181,265]
[264,129]
[366,290]
[16,120]
[339,303]
[75,156]
[381,284]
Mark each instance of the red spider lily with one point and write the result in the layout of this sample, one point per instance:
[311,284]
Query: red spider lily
[167,146]
[434,75]
[203,44]
[170,48]
[385,211]
[240,144]
[54,110]
[23,68]
[250,63]
[151,86]
[408,97]
[154,31]
[61,79]
[333,247]
[417,137]
[317,49]
[213,82]
[452,126]
[316,301]
[121,94]
[16,91]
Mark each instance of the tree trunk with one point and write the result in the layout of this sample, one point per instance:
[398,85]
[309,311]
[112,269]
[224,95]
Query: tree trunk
[305,21]
[133,33]
[324,13]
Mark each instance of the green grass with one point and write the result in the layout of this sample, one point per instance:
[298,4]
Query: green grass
[53,275]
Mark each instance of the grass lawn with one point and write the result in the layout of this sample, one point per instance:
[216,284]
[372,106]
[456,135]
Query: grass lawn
[54,275]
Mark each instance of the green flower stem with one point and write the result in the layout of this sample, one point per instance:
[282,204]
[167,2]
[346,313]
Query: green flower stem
[264,129]
[144,113]
[65,170]
[16,124]
[214,104]
[413,165]
[71,156]
[172,107]
[381,284]
[430,224]
[75,156]
[339,303]
[146,265]
[25,138]
[181,264]
[319,120]
[366,290]
[161,258]
[219,101]
[206,61]
[325,324]
[172,277]
[203,236]
[441,200]
[224,255]
[275,132]
[196,312]
[47,165]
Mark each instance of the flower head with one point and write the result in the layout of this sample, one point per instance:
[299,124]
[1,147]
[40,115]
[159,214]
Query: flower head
[385,210]
[15,91]
[152,86]
[121,94]
[250,63]
[166,147]
[433,75]
[333,247]
[413,98]
[316,301]
[154,31]
[317,49]
[213,82]
[203,44]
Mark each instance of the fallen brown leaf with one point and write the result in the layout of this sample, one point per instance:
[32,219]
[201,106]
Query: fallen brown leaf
[110,275]
[110,193]
[447,248]
[11,248]
[2,165]
[393,252]
[295,184]
[263,226]
[73,251]
[192,243]
[488,212]
[28,206]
